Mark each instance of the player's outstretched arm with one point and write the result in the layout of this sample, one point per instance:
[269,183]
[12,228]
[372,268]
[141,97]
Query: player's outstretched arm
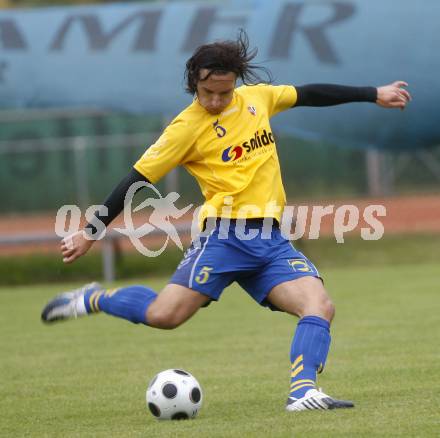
[388,96]
[77,244]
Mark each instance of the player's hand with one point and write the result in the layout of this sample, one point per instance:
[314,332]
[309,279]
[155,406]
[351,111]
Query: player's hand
[393,95]
[75,246]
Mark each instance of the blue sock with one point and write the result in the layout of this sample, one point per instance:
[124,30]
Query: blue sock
[308,353]
[130,302]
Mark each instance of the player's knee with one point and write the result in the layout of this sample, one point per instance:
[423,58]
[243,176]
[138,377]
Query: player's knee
[325,305]
[164,319]
[321,305]
[329,309]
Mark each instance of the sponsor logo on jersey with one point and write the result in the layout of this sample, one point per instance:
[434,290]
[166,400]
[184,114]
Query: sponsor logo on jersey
[233,153]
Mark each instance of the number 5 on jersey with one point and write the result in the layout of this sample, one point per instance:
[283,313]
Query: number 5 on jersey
[203,275]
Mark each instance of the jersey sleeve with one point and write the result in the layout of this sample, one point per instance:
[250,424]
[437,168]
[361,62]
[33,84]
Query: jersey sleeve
[171,149]
[278,97]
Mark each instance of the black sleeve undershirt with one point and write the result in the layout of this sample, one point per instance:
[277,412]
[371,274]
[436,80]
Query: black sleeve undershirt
[115,201]
[329,94]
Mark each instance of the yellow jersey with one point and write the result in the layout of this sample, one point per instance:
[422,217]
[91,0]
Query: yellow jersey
[232,155]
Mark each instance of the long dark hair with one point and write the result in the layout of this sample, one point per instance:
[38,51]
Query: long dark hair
[223,57]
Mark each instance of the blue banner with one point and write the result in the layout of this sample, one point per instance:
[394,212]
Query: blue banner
[131,57]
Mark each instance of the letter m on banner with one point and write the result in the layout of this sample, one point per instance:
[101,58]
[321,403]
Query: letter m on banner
[99,39]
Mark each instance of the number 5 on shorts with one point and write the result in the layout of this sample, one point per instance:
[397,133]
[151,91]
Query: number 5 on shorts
[203,276]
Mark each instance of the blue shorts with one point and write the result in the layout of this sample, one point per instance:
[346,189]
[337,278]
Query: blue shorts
[217,259]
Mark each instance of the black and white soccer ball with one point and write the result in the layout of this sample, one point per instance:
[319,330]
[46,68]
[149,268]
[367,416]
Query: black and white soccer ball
[174,395]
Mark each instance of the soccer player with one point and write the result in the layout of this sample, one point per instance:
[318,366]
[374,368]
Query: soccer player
[224,139]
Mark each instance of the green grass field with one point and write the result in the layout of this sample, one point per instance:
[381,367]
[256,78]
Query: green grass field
[87,378]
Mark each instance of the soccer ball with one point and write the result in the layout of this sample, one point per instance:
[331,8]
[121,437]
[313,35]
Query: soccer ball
[174,395]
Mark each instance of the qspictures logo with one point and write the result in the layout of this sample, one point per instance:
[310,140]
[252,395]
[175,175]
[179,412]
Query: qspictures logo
[296,222]
[234,153]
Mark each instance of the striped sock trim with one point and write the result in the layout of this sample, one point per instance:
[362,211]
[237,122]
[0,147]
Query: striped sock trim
[298,383]
[306,385]
[301,382]
[93,301]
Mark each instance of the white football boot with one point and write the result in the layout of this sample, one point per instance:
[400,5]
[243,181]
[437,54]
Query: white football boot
[68,304]
[316,399]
